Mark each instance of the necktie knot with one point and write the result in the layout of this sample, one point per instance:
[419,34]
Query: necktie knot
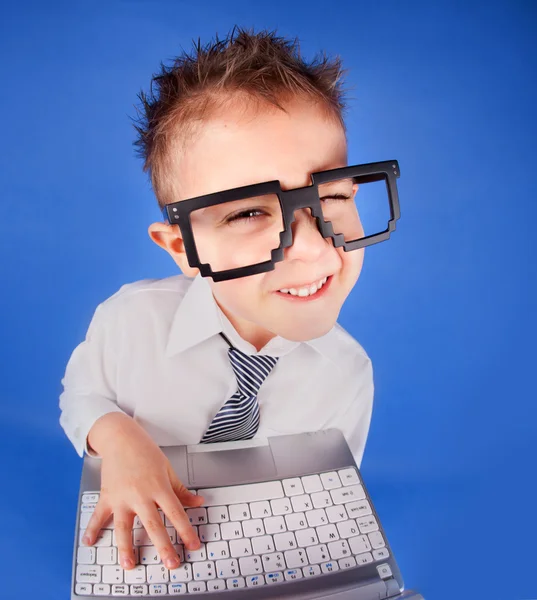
[250,370]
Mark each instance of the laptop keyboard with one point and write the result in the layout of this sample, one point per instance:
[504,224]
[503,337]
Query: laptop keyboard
[251,535]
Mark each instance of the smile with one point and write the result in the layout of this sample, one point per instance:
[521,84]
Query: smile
[308,290]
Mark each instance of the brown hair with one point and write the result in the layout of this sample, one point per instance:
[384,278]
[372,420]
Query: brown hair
[259,66]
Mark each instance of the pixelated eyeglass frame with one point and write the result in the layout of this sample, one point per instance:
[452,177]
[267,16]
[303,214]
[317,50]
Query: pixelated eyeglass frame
[290,201]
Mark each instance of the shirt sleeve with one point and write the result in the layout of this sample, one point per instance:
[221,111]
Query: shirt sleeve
[89,383]
[354,418]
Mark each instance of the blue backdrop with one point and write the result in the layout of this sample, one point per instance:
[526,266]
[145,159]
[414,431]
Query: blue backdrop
[445,309]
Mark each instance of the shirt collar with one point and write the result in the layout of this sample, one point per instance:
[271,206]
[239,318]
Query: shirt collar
[199,318]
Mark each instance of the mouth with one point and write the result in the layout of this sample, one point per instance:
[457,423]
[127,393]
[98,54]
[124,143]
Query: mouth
[307,293]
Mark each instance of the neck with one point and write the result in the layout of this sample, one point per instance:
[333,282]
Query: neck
[251,332]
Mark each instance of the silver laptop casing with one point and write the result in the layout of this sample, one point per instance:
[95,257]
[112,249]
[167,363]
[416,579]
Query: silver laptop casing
[264,459]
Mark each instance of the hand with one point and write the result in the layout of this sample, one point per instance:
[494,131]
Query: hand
[136,478]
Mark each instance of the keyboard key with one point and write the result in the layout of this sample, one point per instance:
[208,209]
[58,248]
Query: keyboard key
[318,554]
[197,516]
[255,580]
[327,533]
[217,550]
[196,555]
[84,520]
[210,533]
[296,521]
[238,494]
[88,507]
[239,512]
[83,589]
[227,568]
[218,514]
[139,590]
[367,524]
[322,499]
[296,558]
[260,509]
[376,539]
[174,589]
[381,554]
[273,561]
[292,574]
[339,549]
[302,503]
[306,537]
[330,567]
[112,574]
[336,514]
[359,544]
[90,498]
[330,480]
[275,524]
[293,487]
[157,574]
[120,590]
[282,506]
[182,574]
[285,541]
[107,555]
[158,589]
[236,583]
[316,517]
[203,571]
[276,577]
[231,531]
[312,483]
[347,563]
[250,565]
[384,571]
[195,587]
[360,508]
[347,529]
[242,547]
[88,574]
[364,559]
[86,555]
[216,585]
[149,555]
[311,570]
[347,494]
[253,528]
[101,589]
[136,575]
[348,476]
[263,544]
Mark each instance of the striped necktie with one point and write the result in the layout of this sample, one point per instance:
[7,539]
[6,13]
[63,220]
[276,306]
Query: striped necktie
[238,419]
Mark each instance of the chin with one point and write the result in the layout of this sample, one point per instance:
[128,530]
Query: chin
[307,332]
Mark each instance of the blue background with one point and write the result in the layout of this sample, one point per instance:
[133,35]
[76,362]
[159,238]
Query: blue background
[445,309]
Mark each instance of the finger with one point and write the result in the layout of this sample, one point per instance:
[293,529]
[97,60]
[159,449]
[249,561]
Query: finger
[152,522]
[123,522]
[100,516]
[186,497]
[175,513]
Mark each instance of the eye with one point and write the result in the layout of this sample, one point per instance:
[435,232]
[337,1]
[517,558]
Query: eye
[340,197]
[245,215]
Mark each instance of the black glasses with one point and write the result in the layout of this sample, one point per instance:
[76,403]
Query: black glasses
[244,231]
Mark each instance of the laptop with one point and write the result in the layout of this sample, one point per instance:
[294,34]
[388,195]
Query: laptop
[285,517]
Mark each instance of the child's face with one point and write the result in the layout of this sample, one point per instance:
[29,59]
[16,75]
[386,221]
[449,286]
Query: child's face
[237,148]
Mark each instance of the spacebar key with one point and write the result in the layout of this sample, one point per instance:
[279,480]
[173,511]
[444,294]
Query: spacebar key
[236,494]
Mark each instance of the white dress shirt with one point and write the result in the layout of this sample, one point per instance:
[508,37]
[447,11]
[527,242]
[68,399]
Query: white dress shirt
[153,351]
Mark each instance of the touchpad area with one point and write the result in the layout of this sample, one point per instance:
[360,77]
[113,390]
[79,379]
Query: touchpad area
[230,467]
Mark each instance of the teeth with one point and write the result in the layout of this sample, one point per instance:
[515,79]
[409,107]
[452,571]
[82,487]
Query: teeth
[305,291]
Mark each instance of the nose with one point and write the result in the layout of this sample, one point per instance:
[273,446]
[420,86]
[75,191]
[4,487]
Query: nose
[308,243]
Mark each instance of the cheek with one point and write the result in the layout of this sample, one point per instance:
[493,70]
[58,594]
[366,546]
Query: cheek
[237,295]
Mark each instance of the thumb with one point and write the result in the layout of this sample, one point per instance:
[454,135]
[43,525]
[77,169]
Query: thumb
[186,497]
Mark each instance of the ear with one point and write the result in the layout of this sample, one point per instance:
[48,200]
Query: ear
[169,238]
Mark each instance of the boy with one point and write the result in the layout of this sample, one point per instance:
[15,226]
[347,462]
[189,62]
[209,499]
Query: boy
[162,357]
